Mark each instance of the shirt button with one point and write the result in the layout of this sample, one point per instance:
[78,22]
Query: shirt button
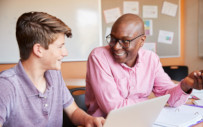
[45,105]
[45,97]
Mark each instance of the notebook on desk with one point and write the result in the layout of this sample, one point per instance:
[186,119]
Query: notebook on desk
[182,116]
[142,114]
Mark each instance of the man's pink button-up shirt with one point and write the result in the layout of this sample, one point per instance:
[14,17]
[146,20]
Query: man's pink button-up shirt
[111,85]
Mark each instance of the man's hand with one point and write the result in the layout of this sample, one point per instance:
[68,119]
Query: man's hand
[94,121]
[193,80]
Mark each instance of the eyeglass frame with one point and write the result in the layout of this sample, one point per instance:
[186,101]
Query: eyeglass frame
[121,42]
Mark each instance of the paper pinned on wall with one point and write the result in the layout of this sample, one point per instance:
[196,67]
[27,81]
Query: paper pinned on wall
[111,15]
[148,27]
[150,11]
[131,7]
[165,37]
[169,9]
[150,46]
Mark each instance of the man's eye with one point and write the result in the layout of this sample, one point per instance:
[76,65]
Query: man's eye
[125,41]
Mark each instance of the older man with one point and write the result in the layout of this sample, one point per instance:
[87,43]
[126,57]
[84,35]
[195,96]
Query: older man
[123,73]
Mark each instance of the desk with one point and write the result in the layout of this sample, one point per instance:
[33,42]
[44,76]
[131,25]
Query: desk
[198,125]
[74,83]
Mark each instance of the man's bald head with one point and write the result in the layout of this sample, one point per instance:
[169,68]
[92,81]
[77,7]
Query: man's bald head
[129,19]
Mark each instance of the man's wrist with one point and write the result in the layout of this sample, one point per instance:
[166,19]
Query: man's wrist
[184,87]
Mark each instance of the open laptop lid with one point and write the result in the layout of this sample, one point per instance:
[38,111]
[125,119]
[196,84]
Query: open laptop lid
[142,114]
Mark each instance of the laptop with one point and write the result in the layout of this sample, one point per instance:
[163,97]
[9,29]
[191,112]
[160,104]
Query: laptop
[142,114]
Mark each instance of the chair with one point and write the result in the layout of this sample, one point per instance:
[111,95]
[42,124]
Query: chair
[176,72]
[66,121]
[78,94]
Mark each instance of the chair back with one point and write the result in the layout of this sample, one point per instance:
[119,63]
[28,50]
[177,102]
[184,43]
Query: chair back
[176,72]
[79,97]
[78,94]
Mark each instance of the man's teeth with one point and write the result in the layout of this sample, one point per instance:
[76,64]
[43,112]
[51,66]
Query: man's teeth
[120,54]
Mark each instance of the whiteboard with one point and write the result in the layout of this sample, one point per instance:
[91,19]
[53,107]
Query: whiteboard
[82,16]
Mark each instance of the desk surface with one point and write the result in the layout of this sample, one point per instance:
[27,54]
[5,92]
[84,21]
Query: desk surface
[77,83]
[74,83]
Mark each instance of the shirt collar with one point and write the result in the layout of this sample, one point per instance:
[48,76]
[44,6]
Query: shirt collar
[138,62]
[26,83]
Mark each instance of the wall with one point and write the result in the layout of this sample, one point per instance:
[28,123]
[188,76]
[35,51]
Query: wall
[200,27]
[178,60]
[191,36]
[69,69]
[160,23]
[189,45]
[79,46]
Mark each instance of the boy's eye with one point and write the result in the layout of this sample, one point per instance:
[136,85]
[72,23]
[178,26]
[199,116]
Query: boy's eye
[61,46]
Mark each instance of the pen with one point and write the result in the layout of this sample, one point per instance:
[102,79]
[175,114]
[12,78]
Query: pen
[194,97]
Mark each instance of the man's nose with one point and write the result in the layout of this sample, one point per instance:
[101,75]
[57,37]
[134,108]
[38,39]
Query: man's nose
[117,45]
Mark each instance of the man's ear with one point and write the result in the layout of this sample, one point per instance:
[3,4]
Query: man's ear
[37,50]
[142,40]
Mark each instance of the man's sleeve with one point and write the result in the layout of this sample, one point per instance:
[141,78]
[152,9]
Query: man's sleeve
[164,85]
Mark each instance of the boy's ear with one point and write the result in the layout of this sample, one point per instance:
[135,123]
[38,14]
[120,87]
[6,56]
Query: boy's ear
[37,50]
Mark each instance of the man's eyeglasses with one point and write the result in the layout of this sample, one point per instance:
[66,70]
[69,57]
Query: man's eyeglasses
[124,43]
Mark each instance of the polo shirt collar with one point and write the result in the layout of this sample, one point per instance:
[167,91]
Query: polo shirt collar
[26,83]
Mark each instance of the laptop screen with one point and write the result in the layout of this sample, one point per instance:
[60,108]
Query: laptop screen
[142,114]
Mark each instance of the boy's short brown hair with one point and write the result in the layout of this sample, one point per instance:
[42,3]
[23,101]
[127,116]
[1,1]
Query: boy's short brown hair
[38,27]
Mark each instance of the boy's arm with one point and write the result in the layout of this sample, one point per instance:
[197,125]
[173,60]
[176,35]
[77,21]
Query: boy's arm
[79,117]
